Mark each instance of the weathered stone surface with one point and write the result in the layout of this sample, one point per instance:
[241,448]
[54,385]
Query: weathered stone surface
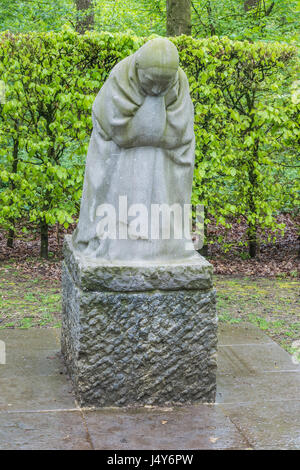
[142,347]
[91,274]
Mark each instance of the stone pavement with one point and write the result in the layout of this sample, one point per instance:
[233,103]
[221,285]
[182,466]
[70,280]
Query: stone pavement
[258,401]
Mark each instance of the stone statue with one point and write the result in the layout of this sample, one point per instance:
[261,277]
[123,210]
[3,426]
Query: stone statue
[139,317]
[141,154]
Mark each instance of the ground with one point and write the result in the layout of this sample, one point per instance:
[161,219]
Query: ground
[271,304]
[29,299]
[257,404]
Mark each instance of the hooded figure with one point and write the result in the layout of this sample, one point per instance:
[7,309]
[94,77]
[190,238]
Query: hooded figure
[140,162]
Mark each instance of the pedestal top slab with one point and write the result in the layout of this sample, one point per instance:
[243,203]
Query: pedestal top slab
[91,274]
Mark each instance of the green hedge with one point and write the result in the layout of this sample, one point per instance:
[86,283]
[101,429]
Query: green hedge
[245,124]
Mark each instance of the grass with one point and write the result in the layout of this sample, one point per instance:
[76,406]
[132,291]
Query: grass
[27,302]
[270,303]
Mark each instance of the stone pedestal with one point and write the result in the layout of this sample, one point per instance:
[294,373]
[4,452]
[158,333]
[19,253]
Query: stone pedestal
[139,334]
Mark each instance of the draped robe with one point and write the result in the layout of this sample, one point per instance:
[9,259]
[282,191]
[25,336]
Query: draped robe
[141,147]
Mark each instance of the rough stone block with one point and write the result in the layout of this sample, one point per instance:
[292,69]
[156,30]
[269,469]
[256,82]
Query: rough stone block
[139,335]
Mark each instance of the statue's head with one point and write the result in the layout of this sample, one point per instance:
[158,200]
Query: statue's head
[157,65]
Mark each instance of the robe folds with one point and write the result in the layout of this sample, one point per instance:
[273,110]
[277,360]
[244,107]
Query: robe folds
[142,150]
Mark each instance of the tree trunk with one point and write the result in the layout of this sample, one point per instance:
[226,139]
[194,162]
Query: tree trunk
[250,4]
[10,236]
[11,232]
[44,239]
[204,250]
[211,26]
[179,17]
[85,19]
[252,226]
[252,237]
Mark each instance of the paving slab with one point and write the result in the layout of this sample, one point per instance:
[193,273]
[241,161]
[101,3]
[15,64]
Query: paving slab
[257,406]
[43,431]
[268,425]
[241,360]
[33,376]
[19,364]
[241,333]
[195,427]
[32,339]
[258,388]
[53,392]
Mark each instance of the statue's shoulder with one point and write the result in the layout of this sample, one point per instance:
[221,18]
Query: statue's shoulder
[182,75]
[121,66]
[111,86]
[183,81]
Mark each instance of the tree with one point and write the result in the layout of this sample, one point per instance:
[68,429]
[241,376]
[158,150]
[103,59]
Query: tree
[249,19]
[265,20]
[32,15]
[46,118]
[246,123]
[246,132]
[179,17]
[11,180]
[85,15]
[12,137]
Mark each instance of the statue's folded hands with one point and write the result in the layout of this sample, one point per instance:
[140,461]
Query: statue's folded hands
[147,126]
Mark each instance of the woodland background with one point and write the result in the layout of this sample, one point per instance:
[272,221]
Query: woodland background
[242,62]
